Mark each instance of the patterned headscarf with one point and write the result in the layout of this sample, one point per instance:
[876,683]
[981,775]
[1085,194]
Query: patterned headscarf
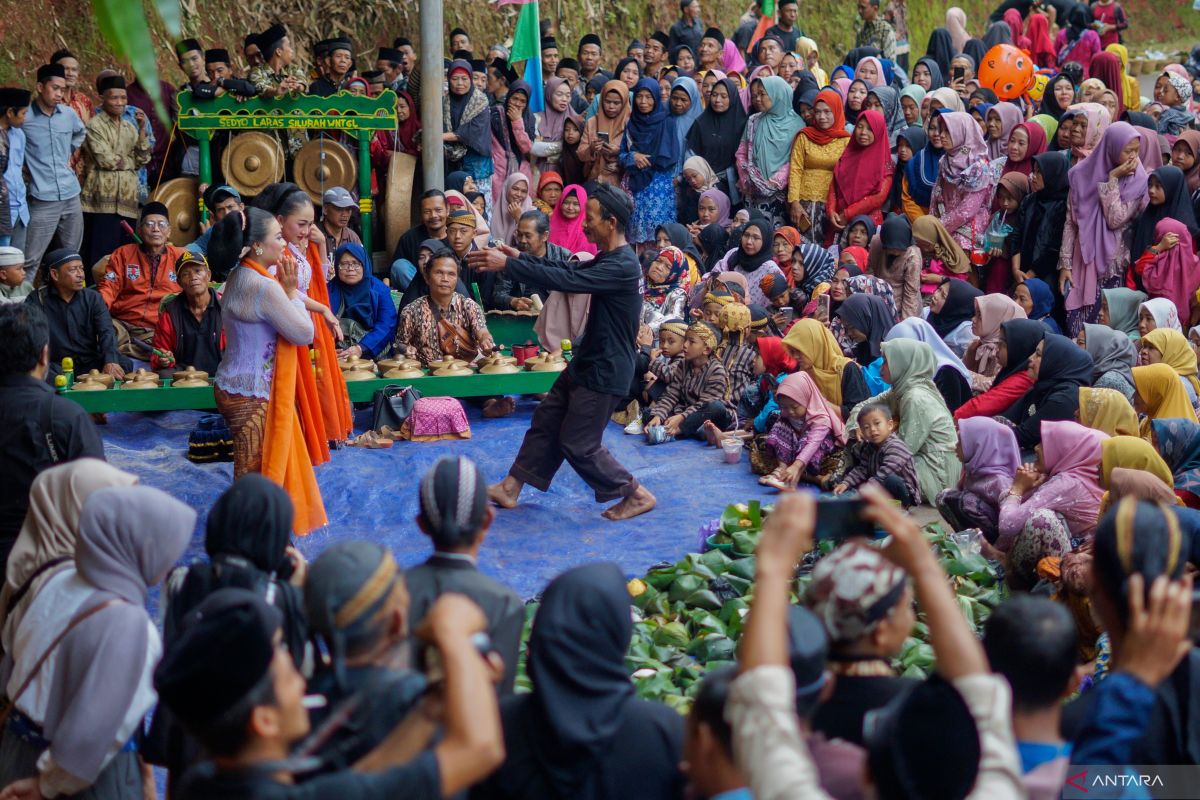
[852,589]
[676,275]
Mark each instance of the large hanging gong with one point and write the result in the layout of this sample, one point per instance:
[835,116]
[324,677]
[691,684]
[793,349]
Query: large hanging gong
[180,198]
[252,161]
[323,164]
[397,218]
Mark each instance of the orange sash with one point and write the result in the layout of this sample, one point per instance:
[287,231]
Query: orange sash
[287,440]
[331,386]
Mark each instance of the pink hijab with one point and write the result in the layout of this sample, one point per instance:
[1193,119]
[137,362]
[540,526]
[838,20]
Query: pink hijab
[880,80]
[732,59]
[1098,120]
[1071,453]
[800,387]
[994,310]
[1175,273]
[965,162]
[1010,118]
[842,87]
[762,71]
[568,233]
[504,225]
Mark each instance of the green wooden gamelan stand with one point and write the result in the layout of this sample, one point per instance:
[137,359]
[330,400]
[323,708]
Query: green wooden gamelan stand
[357,116]
[168,398]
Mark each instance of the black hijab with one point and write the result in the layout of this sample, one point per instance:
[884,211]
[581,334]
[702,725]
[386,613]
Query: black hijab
[1023,336]
[896,233]
[1140,119]
[680,237]
[1054,168]
[976,50]
[868,314]
[808,83]
[744,262]
[958,308]
[502,125]
[1177,206]
[940,49]
[997,33]
[715,137]
[1049,102]
[937,75]
[715,241]
[673,58]
[1063,361]
[577,664]
[624,62]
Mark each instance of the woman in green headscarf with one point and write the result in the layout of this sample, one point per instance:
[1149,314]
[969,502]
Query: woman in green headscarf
[764,156]
[926,425]
[1119,310]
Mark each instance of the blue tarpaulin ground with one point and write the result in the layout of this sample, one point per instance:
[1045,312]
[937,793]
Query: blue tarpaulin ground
[372,494]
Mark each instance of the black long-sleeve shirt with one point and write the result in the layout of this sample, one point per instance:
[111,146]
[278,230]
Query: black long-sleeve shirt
[28,409]
[80,329]
[604,356]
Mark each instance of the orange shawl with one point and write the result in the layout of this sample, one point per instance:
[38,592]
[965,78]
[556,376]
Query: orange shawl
[330,385]
[291,434]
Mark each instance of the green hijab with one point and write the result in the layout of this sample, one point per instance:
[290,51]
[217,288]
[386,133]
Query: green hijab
[1123,305]
[1049,125]
[917,94]
[775,129]
[911,363]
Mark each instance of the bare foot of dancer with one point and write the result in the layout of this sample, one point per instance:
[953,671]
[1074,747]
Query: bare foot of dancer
[637,503]
[712,433]
[505,493]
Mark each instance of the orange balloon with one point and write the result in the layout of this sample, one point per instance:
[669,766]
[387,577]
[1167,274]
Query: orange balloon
[1007,71]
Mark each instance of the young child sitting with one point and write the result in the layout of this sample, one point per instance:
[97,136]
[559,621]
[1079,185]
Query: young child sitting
[808,431]
[695,391]
[659,365]
[13,286]
[736,351]
[882,456]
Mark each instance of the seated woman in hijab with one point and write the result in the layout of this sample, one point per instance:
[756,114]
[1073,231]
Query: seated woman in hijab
[991,311]
[87,702]
[893,257]
[951,309]
[1159,395]
[944,256]
[950,376]
[990,459]
[1169,347]
[1017,343]
[1178,441]
[1120,309]
[1036,299]
[815,351]
[1051,501]
[1155,313]
[752,259]
[866,321]
[809,430]
[1058,368]
[1113,357]
[1108,411]
[925,423]
[582,731]
[362,303]
[665,295]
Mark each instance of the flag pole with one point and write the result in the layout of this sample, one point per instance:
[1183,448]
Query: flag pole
[432,53]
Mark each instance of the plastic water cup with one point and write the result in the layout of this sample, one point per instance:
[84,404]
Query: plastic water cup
[732,450]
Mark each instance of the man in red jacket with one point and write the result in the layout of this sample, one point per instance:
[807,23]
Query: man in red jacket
[137,278]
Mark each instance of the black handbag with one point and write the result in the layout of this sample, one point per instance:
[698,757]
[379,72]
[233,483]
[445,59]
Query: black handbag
[392,406]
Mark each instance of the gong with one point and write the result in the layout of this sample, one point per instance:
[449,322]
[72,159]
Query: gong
[180,196]
[252,161]
[322,164]
[397,218]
